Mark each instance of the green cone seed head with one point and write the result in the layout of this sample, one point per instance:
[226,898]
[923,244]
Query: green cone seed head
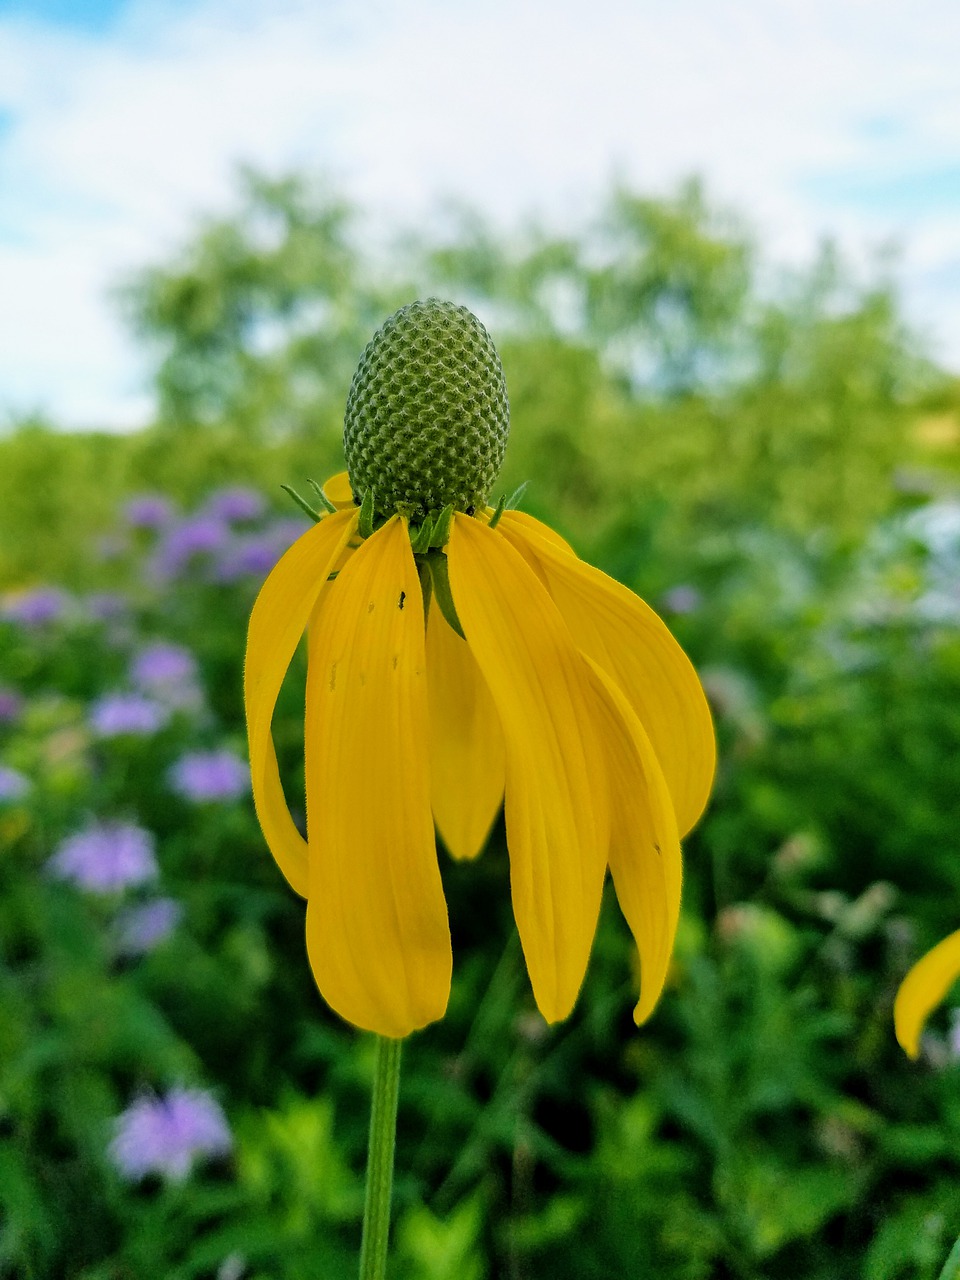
[427,414]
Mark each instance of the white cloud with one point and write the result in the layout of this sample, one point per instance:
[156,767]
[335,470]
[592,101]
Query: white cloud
[115,143]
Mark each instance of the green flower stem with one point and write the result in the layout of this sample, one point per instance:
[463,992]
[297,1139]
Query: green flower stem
[383,1138]
[951,1268]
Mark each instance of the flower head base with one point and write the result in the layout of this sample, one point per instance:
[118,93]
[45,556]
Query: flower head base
[521,677]
[427,415]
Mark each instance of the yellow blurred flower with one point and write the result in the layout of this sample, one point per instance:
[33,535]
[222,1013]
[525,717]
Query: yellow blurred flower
[526,678]
[922,990]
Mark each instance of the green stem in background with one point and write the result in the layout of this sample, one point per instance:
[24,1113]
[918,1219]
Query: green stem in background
[951,1268]
[383,1138]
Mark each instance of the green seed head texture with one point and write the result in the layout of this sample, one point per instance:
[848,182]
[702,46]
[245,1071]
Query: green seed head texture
[427,415]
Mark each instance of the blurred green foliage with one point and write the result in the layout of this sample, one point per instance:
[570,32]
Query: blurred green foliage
[770,462]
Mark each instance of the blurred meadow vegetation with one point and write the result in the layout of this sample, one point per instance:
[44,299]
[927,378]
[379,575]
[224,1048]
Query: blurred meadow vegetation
[772,461]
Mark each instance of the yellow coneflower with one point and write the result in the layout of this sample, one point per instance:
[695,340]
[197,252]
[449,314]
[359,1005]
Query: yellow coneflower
[460,658]
[922,990]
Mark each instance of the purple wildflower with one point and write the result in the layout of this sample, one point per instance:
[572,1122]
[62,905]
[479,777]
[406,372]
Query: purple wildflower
[11,704]
[161,664]
[142,927]
[201,776]
[198,537]
[35,608]
[167,1135]
[168,672]
[148,511]
[250,557]
[107,606]
[235,504]
[106,857]
[13,784]
[116,714]
[284,532]
[254,555]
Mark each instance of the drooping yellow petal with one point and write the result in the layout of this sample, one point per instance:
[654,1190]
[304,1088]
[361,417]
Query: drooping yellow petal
[627,639]
[466,742]
[644,845]
[377,932]
[556,802]
[278,620]
[922,990]
[338,491]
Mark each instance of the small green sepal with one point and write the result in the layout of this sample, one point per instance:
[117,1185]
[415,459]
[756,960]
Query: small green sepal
[514,500]
[441,527]
[421,535]
[365,524]
[440,576]
[426,586]
[501,507]
[322,498]
[304,506]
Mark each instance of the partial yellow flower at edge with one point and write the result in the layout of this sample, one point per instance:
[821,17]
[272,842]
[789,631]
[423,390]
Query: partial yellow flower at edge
[922,990]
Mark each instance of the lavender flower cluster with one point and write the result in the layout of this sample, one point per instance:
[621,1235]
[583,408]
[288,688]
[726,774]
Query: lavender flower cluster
[168,1135]
[151,693]
[204,776]
[117,714]
[218,542]
[35,607]
[106,857]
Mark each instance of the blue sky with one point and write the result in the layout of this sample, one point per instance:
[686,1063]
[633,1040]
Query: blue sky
[910,192]
[94,16]
[123,120]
